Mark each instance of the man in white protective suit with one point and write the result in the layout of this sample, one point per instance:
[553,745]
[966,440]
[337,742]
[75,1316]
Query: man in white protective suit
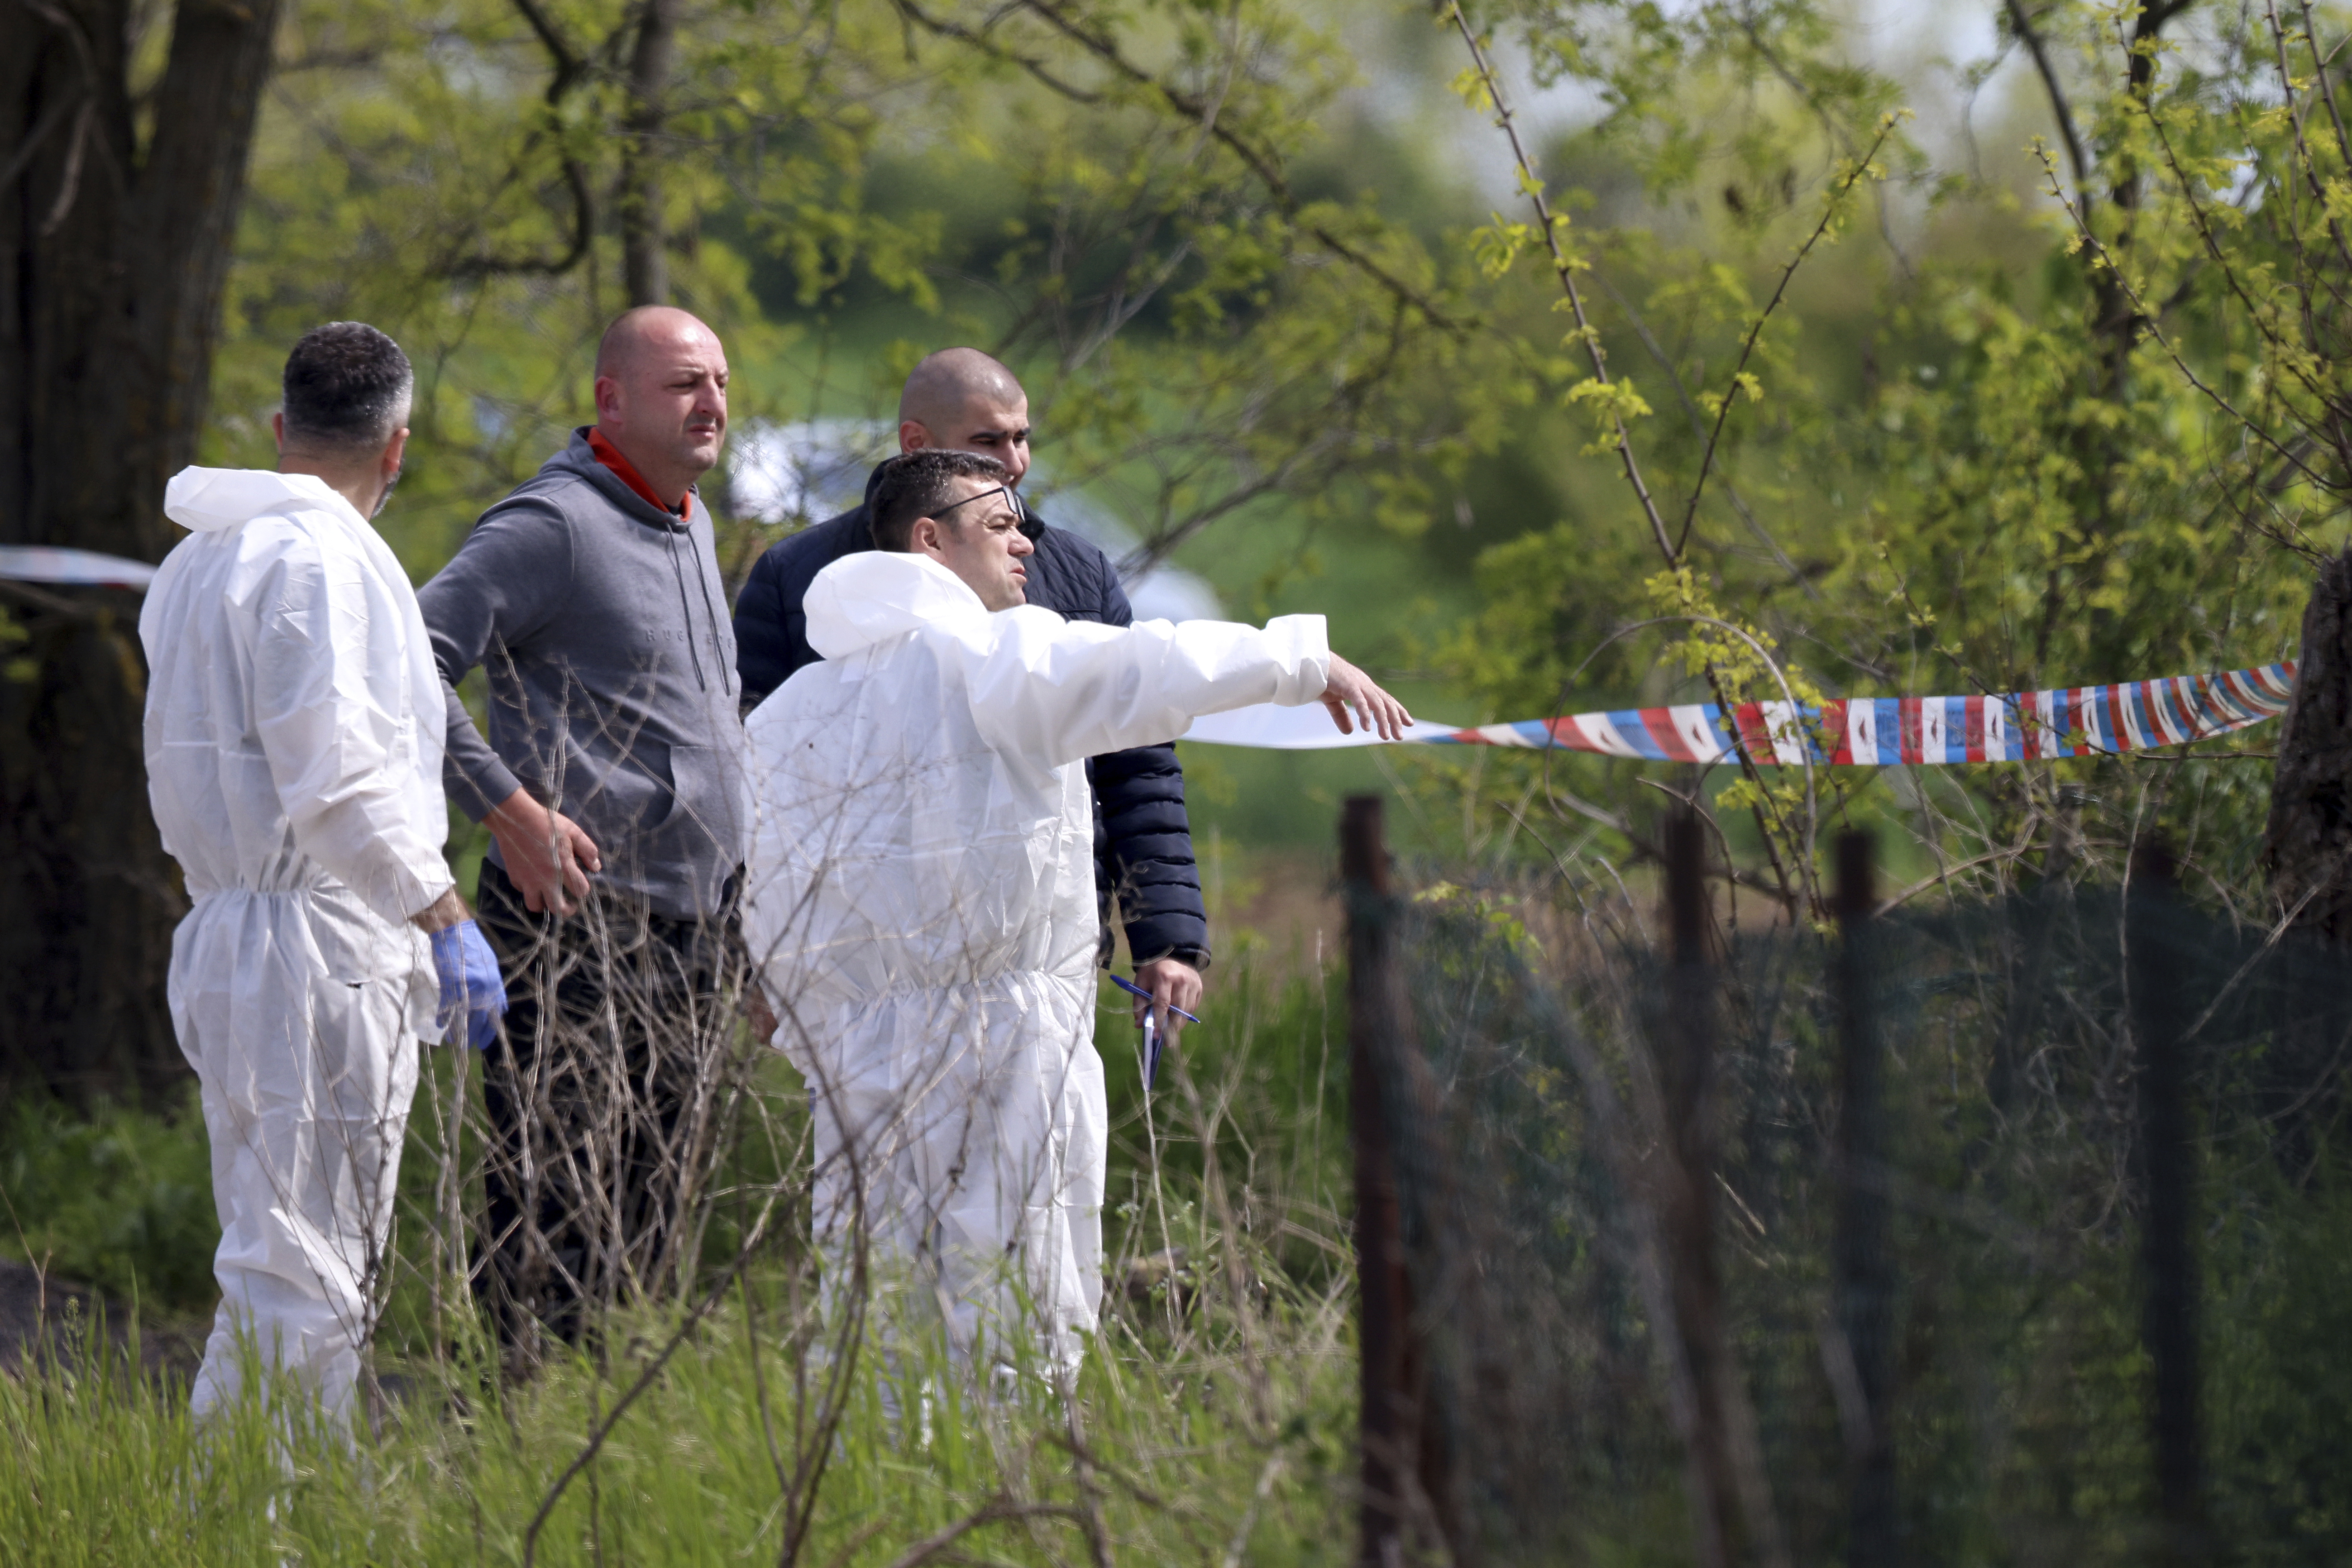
[293,738]
[921,901]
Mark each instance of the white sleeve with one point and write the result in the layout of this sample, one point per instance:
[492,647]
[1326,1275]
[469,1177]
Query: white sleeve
[1057,692]
[328,689]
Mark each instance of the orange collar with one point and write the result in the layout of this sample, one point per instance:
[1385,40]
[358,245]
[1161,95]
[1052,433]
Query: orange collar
[610,455]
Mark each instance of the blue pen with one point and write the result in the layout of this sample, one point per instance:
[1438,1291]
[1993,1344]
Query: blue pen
[1132,989]
[1150,1030]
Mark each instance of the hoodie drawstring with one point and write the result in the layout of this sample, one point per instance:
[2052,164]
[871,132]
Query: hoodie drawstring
[686,609]
[709,616]
[717,647]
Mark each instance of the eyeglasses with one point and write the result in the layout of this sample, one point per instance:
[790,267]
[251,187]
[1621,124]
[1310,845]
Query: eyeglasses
[1004,490]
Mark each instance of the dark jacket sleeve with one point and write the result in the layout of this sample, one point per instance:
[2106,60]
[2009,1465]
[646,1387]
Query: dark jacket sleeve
[1143,840]
[1143,854]
[763,644]
[770,628]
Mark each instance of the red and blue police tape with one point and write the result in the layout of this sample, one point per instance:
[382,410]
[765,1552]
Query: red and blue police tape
[1879,731]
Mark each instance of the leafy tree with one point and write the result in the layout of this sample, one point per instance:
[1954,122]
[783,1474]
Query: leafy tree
[120,167]
[1831,416]
[2101,453]
[491,180]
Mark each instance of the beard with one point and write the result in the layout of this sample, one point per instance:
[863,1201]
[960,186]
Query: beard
[385,499]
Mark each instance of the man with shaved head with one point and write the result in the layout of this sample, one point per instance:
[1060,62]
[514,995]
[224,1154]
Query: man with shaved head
[611,785]
[959,399]
[941,390]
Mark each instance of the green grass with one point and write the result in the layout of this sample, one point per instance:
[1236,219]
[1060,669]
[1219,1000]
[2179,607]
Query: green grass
[1211,1423]
[1214,1419]
[121,1198]
[103,1468]
[106,1468]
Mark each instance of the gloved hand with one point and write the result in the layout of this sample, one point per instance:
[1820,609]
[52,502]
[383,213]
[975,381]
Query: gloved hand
[470,986]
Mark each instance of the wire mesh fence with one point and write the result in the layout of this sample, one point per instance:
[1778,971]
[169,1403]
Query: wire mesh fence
[2004,1231]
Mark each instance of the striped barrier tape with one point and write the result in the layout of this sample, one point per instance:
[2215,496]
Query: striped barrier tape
[1876,732]
[1869,732]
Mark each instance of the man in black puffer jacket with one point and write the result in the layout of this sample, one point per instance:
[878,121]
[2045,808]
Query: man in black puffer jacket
[963,399]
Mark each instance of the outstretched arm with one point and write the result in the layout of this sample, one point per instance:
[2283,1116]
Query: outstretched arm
[1055,692]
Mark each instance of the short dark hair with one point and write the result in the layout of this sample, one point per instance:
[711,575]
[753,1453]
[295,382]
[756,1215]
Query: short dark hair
[915,485]
[346,385]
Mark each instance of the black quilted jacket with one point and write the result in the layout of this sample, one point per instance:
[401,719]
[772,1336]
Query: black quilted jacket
[1143,844]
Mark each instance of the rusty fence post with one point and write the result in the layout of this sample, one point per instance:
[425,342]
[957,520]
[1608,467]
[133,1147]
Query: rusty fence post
[1864,1264]
[2167,1160]
[1685,1058]
[1389,1418]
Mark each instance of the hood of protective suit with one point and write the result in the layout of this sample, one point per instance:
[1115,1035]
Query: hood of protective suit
[212,500]
[878,594]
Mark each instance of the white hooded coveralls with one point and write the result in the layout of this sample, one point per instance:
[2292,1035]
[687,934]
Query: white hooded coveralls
[921,902]
[293,738]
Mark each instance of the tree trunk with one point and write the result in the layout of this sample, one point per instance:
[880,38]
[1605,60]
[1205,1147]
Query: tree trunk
[2307,848]
[112,259]
[645,242]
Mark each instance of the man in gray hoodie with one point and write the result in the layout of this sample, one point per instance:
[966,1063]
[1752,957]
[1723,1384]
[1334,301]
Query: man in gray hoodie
[611,784]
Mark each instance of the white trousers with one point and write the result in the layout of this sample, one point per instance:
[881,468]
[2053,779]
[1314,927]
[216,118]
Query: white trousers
[298,1011]
[968,1128]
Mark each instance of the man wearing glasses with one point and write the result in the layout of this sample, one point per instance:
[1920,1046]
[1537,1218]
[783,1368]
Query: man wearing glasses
[920,902]
[959,399]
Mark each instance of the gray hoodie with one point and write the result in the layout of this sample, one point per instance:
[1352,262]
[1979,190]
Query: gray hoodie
[601,621]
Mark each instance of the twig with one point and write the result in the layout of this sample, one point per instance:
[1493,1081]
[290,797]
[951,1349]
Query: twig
[1564,268]
[2219,399]
[645,1380]
[1854,171]
[2058,104]
[932,1548]
[1267,1475]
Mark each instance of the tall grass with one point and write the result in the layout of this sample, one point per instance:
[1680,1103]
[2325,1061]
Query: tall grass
[1213,1422]
[1201,1455]
[119,1198]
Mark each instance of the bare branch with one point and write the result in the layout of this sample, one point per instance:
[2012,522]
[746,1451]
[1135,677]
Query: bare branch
[569,61]
[933,1548]
[2058,106]
[1665,365]
[1261,161]
[1855,170]
[571,67]
[2219,399]
[1564,268]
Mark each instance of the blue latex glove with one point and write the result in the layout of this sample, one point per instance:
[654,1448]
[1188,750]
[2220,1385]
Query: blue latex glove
[470,986]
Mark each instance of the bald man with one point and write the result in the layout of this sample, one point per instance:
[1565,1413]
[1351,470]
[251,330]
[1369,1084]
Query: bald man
[611,785]
[961,400]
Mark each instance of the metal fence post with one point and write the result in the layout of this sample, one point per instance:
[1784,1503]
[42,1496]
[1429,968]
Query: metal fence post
[1686,1085]
[1389,1418]
[1864,1260]
[2167,1168]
